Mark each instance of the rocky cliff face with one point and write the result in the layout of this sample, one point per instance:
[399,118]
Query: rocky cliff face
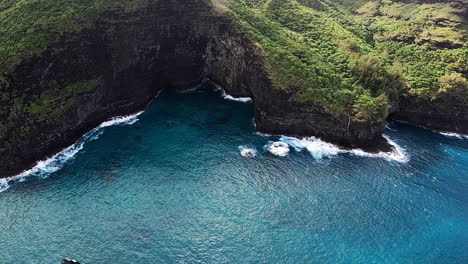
[118,66]
[238,66]
[443,113]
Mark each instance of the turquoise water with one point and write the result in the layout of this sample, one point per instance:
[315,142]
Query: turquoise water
[174,188]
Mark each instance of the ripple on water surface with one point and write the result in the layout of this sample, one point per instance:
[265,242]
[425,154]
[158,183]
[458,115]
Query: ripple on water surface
[181,185]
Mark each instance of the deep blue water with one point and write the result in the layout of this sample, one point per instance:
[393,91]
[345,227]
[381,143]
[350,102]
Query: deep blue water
[174,188]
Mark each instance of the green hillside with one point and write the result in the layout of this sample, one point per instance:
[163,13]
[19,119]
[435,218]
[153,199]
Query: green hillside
[28,26]
[354,57]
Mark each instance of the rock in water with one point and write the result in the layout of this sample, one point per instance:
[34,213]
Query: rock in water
[69,261]
[247,152]
[278,148]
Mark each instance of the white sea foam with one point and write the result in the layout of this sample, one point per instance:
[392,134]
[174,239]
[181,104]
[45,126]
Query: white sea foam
[398,154]
[320,149]
[238,99]
[50,165]
[315,146]
[247,152]
[119,120]
[230,97]
[449,134]
[263,134]
[4,185]
[389,128]
[278,148]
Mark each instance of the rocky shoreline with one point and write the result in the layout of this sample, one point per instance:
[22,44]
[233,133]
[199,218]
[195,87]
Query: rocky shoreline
[130,57]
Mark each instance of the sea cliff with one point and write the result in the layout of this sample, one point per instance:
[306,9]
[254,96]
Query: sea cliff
[118,61]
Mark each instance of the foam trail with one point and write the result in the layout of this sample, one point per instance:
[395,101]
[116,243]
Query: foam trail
[449,134]
[50,165]
[248,152]
[389,128]
[320,149]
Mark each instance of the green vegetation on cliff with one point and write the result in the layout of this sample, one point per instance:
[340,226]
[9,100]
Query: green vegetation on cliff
[357,63]
[27,27]
[317,52]
[428,38]
[353,57]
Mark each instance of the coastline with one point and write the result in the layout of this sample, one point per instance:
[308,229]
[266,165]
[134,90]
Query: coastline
[318,147]
[74,146]
[55,162]
[52,151]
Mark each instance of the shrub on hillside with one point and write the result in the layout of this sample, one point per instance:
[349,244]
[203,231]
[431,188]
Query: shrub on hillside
[453,83]
[373,75]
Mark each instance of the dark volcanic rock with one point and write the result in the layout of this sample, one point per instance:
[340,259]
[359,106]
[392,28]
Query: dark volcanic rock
[131,56]
[443,113]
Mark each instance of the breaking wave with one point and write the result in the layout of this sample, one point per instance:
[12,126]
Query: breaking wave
[398,154]
[237,99]
[449,134]
[3,185]
[320,149]
[247,152]
[50,165]
[122,120]
[230,97]
[278,148]
[315,146]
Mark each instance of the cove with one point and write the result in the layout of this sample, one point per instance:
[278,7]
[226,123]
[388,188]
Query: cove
[174,187]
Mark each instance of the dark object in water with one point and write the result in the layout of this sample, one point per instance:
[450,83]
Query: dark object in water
[69,261]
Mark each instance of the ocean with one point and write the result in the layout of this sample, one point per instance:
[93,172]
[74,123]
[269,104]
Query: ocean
[189,180]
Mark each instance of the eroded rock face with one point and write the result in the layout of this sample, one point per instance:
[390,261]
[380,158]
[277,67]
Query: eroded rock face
[444,113]
[130,57]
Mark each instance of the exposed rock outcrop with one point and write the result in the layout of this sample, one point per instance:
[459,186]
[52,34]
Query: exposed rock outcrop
[129,57]
[443,113]
[117,67]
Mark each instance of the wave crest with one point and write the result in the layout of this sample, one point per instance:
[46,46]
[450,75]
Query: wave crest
[315,146]
[450,134]
[237,99]
[4,185]
[230,97]
[398,154]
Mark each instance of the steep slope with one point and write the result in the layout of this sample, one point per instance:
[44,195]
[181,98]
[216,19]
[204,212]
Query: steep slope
[311,66]
[323,61]
[409,55]
[65,80]
[66,67]
[428,39]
